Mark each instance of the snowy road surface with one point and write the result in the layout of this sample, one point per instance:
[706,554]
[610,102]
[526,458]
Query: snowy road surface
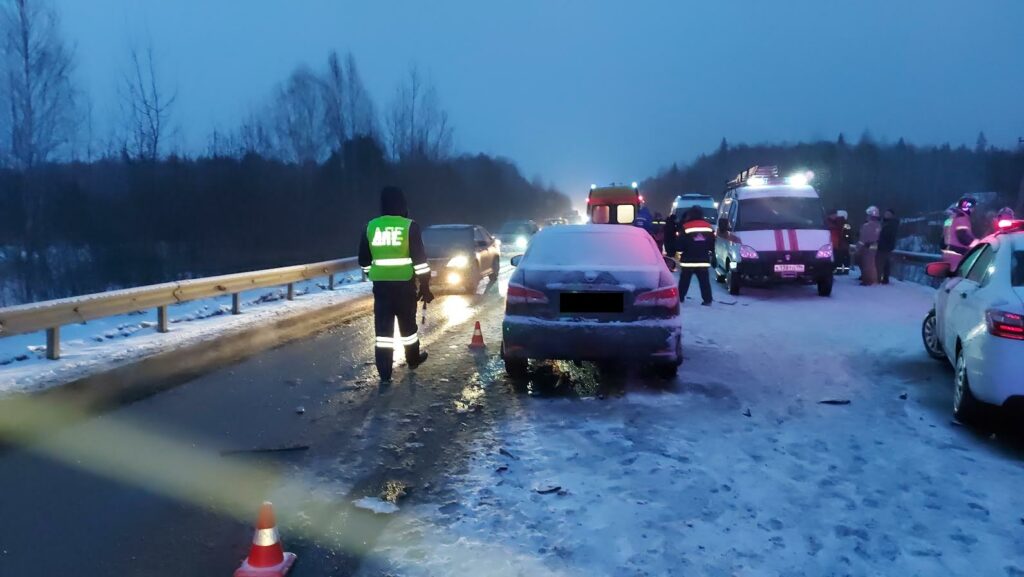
[735,468]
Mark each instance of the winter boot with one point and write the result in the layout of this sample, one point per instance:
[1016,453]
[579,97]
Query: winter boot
[413,356]
[385,362]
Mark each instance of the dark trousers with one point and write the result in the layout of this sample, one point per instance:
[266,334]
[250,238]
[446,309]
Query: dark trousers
[703,278]
[394,300]
[883,262]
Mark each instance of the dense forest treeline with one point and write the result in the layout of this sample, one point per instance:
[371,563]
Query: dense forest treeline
[909,179]
[295,181]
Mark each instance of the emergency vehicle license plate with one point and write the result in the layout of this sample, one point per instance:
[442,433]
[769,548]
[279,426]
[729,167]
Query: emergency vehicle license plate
[789,268]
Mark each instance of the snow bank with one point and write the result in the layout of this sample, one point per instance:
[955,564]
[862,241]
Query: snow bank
[101,344]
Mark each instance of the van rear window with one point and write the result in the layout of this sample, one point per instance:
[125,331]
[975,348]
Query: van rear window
[776,212]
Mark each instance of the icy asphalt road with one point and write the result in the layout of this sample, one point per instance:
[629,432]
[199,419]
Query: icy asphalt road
[652,479]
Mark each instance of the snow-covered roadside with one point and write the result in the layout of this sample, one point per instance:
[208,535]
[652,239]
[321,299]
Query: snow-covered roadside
[740,470]
[104,343]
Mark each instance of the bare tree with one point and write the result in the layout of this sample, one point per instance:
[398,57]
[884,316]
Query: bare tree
[335,91]
[37,67]
[418,127]
[146,107]
[359,109]
[297,118]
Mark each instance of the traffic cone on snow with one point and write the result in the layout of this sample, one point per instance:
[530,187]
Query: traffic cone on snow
[266,556]
[478,338]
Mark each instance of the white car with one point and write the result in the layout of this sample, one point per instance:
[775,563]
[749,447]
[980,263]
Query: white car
[978,323]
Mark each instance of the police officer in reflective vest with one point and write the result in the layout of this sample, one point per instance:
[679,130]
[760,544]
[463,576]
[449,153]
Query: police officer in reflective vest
[696,242]
[958,233]
[392,255]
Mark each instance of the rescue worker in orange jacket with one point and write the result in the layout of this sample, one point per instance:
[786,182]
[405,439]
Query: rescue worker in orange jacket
[957,230]
[696,242]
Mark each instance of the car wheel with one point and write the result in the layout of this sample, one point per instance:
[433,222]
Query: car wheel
[473,280]
[930,336]
[966,407]
[669,370]
[495,269]
[825,286]
[719,277]
[732,280]
[515,367]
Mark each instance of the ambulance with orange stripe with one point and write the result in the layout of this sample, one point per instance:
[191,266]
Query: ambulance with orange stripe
[772,229]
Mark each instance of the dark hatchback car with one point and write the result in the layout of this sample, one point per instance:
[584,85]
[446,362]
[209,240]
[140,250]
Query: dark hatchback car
[592,292]
[461,255]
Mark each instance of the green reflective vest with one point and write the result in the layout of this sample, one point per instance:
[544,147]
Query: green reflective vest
[389,247]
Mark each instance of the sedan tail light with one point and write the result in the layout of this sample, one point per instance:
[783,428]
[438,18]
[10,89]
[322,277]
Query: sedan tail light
[667,297]
[1004,324]
[520,295]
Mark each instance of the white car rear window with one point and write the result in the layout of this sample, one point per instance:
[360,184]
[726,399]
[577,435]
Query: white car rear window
[583,249]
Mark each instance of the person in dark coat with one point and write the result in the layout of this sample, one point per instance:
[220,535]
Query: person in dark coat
[391,253]
[696,242]
[671,234]
[886,244]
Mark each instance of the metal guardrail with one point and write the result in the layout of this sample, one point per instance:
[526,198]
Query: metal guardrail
[909,266]
[52,315]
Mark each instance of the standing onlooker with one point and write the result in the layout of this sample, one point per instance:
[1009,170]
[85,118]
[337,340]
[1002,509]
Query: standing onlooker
[696,244]
[886,244]
[671,234]
[867,247]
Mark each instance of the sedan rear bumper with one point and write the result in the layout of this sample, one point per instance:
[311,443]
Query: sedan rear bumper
[994,368]
[533,338]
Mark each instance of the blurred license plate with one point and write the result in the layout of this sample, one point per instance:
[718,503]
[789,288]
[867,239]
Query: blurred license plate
[789,268]
[590,302]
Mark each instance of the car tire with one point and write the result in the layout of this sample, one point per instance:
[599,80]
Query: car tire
[719,277]
[825,286]
[930,337]
[473,280]
[515,368]
[669,370]
[732,280]
[495,270]
[966,407]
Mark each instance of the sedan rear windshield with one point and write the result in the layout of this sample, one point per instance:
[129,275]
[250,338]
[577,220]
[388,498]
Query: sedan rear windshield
[1017,268]
[442,241]
[780,212]
[592,249]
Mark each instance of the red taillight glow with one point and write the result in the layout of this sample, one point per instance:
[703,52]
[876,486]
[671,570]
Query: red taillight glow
[1004,324]
[667,297]
[520,295]
[1005,223]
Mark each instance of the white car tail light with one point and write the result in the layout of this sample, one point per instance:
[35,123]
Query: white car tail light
[667,297]
[520,295]
[1004,324]
[825,252]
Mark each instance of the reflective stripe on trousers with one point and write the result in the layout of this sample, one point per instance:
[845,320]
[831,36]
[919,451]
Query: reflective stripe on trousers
[395,342]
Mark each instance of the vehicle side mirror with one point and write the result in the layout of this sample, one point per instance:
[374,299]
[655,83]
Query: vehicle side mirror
[939,270]
[671,264]
[516,260]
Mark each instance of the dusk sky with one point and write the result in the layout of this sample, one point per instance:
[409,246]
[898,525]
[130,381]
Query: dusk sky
[593,91]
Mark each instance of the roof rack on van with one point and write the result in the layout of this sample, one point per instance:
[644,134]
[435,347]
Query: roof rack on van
[755,175]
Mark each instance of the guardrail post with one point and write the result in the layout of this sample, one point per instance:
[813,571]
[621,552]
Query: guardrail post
[236,304]
[53,343]
[330,282]
[161,319]
[291,291]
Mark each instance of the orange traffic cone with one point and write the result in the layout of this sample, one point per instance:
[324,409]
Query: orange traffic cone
[266,556]
[478,338]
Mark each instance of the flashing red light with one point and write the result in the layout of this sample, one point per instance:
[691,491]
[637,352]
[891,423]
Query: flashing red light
[1005,223]
[1008,225]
